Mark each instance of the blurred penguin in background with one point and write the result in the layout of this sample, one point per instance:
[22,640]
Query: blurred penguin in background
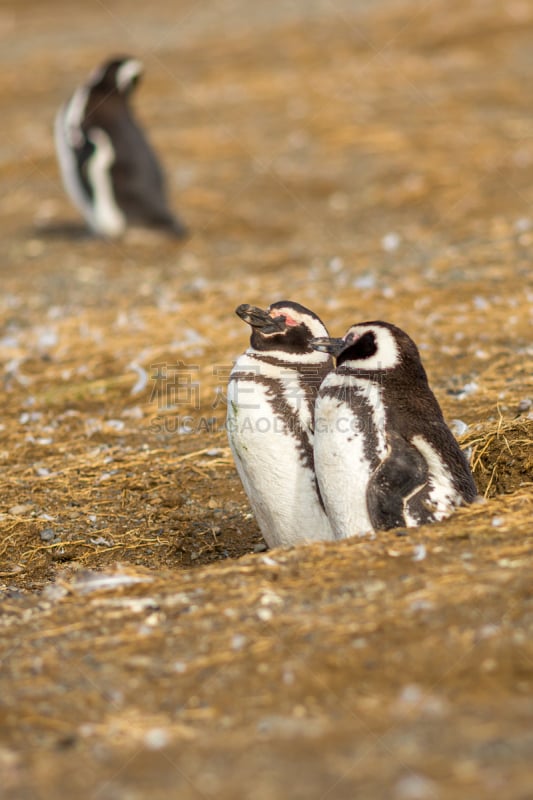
[109,169]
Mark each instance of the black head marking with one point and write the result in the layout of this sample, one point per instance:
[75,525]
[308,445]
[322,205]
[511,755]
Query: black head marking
[363,347]
[285,326]
[119,75]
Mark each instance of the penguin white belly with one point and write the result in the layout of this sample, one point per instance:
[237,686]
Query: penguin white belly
[281,488]
[342,467]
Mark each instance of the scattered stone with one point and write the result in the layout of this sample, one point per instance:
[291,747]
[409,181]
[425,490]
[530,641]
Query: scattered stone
[48,535]
[20,510]
[156,739]
[390,242]
[420,552]
[415,787]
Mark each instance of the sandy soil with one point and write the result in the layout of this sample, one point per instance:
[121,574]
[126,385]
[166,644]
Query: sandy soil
[370,160]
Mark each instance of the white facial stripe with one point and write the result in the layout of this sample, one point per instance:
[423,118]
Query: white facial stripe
[316,327]
[96,75]
[387,355]
[127,72]
[106,217]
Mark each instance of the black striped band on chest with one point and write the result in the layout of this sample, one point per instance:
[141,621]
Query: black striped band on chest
[362,409]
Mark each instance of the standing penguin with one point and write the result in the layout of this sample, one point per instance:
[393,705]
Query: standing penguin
[384,456]
[109,169]
[271,396]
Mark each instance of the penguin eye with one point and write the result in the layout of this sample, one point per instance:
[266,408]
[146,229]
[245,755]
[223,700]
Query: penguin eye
[292,323]
[366,345]
[359,348]
[289,321]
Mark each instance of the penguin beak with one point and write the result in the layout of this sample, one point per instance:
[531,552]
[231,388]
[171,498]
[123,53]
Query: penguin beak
[259,319]
[327,344]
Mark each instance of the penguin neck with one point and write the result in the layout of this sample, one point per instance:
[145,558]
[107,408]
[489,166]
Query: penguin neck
[285,358]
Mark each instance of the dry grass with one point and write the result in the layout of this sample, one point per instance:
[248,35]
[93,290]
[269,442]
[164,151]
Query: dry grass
[502,456]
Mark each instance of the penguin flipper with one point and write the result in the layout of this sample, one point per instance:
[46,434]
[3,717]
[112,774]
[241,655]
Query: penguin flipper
[402,474]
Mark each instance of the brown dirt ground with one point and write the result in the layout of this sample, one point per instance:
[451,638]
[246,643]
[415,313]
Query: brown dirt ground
[369,161]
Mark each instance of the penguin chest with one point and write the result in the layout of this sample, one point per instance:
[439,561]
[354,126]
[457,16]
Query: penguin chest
[272,447]
[349,444]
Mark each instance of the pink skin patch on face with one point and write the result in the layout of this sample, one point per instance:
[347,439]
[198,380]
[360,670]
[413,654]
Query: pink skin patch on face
[288,320]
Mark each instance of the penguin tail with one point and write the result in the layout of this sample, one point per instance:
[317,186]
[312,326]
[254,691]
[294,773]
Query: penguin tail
[178,229]
[172,226]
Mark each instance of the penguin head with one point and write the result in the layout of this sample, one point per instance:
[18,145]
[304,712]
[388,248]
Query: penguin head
[373,347]
[118,75]
[285,326]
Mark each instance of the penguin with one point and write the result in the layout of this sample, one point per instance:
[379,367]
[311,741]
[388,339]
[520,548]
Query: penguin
[384,456]
[108,167]
[270,407]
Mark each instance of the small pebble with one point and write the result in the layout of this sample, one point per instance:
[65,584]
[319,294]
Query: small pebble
[522,224]
[480,303]
[238,641]
[47,534]
[336,264]
[115,424]
[415,787]
[156,739]
[17,511]
[419,552]
[366,281]
[390,242]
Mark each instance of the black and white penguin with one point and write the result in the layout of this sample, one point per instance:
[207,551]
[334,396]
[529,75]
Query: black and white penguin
[271,397]
[384,456]
[109,169]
